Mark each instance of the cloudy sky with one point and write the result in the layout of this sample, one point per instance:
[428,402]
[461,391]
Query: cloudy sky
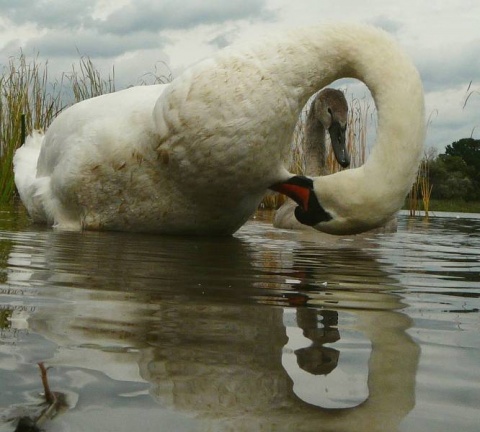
[136,36]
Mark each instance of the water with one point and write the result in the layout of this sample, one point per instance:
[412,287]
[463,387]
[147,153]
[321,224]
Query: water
[270,330]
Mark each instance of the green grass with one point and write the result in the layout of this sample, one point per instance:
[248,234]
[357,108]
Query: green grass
[459,206]
[455,206]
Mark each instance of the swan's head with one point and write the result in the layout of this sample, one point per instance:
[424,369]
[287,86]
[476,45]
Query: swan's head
[330,108]
[339,203]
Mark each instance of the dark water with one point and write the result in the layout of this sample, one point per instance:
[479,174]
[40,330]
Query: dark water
[267,331]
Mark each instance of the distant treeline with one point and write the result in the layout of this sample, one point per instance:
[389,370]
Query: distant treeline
[455,174]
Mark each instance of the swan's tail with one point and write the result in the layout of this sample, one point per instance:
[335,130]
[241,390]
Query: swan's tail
[25,168]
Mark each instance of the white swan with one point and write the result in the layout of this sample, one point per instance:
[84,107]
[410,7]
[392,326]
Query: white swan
[327,113]
[196,156]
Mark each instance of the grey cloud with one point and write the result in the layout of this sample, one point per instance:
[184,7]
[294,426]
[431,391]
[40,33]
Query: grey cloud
[137,16]
[224,39]
[61,43]
[51,14]
[447,67]
[386,23]
[155,16]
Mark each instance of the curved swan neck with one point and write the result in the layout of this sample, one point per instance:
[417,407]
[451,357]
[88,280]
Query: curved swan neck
[310,59]
[368,195]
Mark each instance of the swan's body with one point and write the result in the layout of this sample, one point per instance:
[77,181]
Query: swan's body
[328,108]
[196,156]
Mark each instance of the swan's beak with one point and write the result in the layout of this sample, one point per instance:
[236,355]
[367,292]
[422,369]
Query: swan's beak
[300,189]
[337,136]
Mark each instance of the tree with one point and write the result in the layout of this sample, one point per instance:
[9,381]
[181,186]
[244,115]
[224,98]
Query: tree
[456,174]
[450,178]
[467,148]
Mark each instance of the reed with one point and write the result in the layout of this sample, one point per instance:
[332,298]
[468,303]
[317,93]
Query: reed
[412,198]
[161,74]
[425,186]
[469,93]
[86,80]
[26,98]
[421,190]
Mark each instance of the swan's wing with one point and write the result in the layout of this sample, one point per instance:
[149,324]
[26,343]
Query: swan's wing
[100,127]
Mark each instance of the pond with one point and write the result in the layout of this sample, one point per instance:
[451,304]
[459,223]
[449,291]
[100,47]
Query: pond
[269,330]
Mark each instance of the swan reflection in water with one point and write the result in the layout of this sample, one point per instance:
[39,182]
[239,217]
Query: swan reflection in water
[210,324]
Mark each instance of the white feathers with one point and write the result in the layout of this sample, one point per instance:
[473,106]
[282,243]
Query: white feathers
[31,188]
[25,162]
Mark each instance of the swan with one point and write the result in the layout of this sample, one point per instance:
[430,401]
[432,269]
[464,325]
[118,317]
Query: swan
[197,155]
[327,113]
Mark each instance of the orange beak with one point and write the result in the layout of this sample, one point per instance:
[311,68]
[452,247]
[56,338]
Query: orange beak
[300,189]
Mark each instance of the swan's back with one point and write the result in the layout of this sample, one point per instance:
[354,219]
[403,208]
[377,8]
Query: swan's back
[100,128]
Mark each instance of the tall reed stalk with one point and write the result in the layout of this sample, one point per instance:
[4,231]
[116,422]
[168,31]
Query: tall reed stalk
[87,82]
[412,198]
[425,186]
[421,190]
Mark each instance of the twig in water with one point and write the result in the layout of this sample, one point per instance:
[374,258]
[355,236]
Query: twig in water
[55,401]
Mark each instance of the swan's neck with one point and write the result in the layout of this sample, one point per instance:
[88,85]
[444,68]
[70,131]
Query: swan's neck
[315,149]
[369,195]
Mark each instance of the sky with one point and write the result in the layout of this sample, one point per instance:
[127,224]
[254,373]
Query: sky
[138,37]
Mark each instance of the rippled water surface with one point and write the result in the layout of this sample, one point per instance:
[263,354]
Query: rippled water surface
[269,330]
